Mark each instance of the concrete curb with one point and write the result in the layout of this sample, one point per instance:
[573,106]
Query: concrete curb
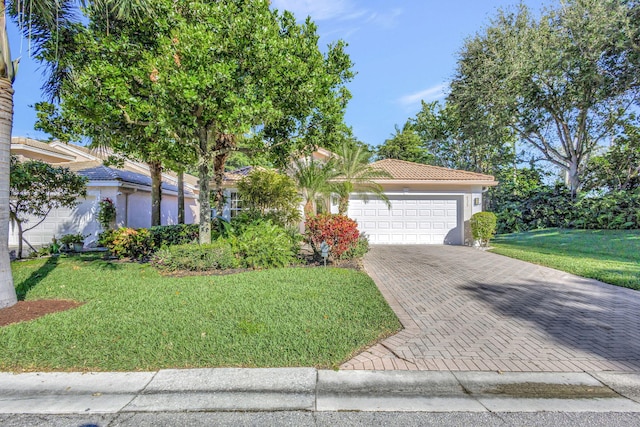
[308,389]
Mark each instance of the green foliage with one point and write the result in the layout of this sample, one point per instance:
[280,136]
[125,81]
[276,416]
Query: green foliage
[618,169]
[218,255]
[542,206]
[270,195]
[339,231]
[169,235]
[456,141]
[106,213]
[359,250]
[560,81]
[265,245]
[185,82]
[246,243]
[406,145]
[483,227]
[70,239]
[130,243]
[355,175]
[312,179]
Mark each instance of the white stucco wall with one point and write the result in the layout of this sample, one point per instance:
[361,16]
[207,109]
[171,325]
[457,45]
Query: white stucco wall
[132,210]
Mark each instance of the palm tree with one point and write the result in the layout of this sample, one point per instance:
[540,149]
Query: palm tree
[40,19]
[355,175]
[312,178]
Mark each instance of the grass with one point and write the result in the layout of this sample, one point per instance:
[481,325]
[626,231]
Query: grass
[135,319]
[611,256]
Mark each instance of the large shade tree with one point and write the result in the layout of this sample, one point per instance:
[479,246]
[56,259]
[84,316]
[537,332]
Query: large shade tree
[562,82]
[40,21]
[405,144]
[230,68]
[460,142]
[106,93]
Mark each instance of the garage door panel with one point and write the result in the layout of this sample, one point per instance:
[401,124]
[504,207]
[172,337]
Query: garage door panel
[411,220]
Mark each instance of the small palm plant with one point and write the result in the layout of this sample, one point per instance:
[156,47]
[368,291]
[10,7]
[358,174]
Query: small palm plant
[355,175]
[312,179]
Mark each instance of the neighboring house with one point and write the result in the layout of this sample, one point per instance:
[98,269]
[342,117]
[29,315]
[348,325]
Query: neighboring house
[129,187]
[429,204]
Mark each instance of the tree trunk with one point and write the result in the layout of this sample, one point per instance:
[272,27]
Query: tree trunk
[7,290]
[181,197]
[204,164]
[224,142]
[573,178]
[20,234]
[155,168]
[309,210]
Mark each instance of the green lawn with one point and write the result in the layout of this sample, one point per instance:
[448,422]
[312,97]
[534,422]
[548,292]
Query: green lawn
[612,256]
[135,319]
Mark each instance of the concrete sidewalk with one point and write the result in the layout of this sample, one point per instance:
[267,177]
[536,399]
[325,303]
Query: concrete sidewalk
[308,389]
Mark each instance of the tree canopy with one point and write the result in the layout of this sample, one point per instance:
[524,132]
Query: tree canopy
[231,69]
[40,22]
[405,144]
[562,82]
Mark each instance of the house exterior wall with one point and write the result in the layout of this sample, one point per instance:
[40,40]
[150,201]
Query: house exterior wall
[133,209]
[468,197]
[59,222]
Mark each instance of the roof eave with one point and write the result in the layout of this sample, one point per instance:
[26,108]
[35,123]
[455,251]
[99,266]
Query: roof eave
[438,182]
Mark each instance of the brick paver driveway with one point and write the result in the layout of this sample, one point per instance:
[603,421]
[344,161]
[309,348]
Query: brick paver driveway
[464,309]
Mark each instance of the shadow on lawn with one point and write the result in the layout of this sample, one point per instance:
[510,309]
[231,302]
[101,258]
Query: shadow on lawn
[603,323]
[36,277]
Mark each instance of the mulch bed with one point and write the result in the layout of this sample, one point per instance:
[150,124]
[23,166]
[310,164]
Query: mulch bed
[29,310]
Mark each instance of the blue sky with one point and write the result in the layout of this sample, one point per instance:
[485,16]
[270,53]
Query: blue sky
[403,50]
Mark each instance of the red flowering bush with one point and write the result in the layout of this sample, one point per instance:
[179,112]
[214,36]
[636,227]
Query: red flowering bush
[339,231]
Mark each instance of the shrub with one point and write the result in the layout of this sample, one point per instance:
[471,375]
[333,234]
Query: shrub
[106,213]
[130,243]
[552,206]
[218,255]
[265,245]
[270,195]
[359,250]
[169,235]
[339,231]
[483,227]
[70,239]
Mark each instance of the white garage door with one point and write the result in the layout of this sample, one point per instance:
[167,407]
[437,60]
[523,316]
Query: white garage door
[411,220]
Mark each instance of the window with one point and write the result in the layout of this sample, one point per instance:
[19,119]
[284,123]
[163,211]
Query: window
[235,204]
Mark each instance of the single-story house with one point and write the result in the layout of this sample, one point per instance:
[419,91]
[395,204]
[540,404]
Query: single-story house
[429,204]
[129,187]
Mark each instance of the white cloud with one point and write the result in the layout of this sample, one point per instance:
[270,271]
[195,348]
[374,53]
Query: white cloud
[318,10]
[386,20]
[340,10]
[430,94]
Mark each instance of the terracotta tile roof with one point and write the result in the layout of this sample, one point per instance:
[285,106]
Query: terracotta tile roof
[409,171]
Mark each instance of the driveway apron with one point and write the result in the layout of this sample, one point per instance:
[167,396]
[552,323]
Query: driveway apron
[467,310]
